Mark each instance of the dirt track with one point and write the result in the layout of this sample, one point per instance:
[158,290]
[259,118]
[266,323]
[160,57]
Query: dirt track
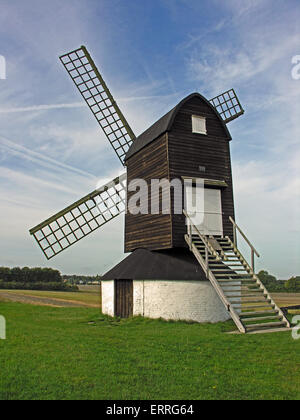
[33,300]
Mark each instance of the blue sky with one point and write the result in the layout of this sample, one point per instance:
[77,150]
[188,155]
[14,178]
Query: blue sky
[151,54]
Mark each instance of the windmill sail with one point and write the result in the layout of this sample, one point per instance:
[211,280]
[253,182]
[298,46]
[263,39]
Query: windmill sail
[228,105]
[93,89]
[81,218]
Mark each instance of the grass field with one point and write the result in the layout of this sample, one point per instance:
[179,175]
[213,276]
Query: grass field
[76,353]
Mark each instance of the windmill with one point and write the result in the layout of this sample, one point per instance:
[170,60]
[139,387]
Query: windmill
[177,269]
[99,207]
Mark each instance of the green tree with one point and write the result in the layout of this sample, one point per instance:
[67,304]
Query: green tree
[293,284]
[5,274]
[267,278]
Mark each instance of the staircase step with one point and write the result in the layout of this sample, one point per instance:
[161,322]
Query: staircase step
[234,264]
[251,287]
[261,318]
[249,305]
[238,289]
[236,280]
[218,264]
[266,325]
[237,274]
[254,293]
[243,282]
[265,306]
[261,307]
[271,330]
[241,296]
[226,271]
[267,312]
[244,302]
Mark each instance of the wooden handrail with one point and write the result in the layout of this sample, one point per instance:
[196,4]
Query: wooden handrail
[253,250]
[244,236]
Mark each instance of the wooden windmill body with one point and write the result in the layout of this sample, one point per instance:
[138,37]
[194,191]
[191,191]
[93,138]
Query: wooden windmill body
[177,269]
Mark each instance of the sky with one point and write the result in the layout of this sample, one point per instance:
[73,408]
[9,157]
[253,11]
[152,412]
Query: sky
[151,54]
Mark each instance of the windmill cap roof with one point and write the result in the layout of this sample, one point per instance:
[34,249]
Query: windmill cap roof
[143,264]
[165,123]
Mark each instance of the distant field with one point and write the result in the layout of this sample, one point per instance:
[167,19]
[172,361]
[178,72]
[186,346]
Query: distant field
[87,296]
[286,299]
[68,353]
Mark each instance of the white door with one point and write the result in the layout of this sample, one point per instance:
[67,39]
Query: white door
[208,217]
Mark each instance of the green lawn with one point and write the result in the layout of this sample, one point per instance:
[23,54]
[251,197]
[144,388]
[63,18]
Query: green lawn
[56,353]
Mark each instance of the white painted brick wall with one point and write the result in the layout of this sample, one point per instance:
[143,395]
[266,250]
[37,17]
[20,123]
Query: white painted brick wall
[178,300]
[108,297]
[185,300]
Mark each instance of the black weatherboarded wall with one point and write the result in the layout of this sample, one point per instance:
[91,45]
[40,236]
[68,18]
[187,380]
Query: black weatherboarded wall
[169,149]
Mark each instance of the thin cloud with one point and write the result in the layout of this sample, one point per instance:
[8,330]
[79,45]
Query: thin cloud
[79,104]
[41,108]
[42,160]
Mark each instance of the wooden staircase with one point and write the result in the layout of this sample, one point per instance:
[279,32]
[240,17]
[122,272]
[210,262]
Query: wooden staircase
[241,291]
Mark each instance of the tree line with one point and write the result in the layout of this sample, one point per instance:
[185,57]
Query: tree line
[77,279]
[33,279]
[31,275]
[273,285]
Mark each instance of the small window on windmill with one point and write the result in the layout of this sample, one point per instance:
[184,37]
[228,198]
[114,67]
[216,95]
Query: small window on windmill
[199,124]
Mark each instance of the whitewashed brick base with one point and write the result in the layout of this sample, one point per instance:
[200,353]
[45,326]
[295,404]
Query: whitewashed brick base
[176,300]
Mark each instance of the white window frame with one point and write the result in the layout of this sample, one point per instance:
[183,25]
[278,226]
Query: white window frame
[195,124]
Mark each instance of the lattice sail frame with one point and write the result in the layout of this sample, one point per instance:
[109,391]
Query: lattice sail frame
[81,218]
[96,94]
[228,105]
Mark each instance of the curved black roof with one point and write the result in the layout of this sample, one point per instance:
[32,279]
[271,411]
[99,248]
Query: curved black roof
[165,123]
[172,264]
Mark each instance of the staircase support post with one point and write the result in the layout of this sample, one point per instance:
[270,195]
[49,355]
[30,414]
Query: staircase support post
[252,260]
[234,236]
[206,261]
[190,235]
